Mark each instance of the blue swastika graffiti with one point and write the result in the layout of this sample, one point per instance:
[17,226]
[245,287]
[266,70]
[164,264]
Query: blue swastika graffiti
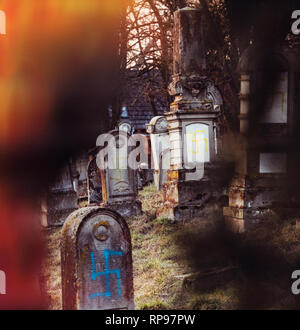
[106,273]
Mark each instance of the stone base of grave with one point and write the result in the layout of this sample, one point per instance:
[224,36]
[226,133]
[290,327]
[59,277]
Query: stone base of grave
[253,199]
[188,199]
[180,212]
[209,279]
[238,220]
[126,209]
[59,205]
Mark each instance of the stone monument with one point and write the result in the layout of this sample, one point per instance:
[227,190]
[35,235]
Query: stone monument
[192,122]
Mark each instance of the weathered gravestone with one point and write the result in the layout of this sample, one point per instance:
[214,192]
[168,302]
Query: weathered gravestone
[94,186]
[96,261]
[119,180]
[145,169]
[82,161]
[160,148]
[61,199]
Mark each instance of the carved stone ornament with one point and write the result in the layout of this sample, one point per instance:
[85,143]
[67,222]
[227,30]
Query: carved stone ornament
[161,125]
[194,87]
[157,125]
[126,127]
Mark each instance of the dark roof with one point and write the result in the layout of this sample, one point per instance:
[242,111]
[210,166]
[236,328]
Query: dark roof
[138,101]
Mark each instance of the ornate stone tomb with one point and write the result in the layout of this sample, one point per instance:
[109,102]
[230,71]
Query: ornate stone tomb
[193,123]
[96,261]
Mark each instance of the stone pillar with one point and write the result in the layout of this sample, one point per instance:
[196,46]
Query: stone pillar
[192,121]
[262,165]
[96,261]
[160,148]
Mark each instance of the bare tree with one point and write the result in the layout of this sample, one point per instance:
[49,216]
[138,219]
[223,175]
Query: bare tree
[146,48]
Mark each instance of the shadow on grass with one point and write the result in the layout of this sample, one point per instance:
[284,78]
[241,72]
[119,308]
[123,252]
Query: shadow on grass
[248,271]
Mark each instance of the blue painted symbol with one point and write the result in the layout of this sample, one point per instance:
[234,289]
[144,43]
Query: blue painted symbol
[106,273]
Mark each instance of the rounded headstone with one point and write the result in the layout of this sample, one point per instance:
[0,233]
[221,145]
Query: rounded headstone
[96,261]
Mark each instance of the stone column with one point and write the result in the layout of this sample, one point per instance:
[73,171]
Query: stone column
[192,121]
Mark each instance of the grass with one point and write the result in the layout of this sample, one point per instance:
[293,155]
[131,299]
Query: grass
[172,258]
[161,259]
[52,268]
[215,300]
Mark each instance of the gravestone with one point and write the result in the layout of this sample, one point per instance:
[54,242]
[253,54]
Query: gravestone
[262,168]
[61,199]
[96,261]
[125,126]
[82,161]
[119,180]
[94,182]
[160,148]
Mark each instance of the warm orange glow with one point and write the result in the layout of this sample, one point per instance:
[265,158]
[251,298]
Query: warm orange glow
[43,40]
[48,43]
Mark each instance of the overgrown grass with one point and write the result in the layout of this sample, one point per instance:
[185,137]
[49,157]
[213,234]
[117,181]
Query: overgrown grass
[161,260]
[172,258]
[52,268]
